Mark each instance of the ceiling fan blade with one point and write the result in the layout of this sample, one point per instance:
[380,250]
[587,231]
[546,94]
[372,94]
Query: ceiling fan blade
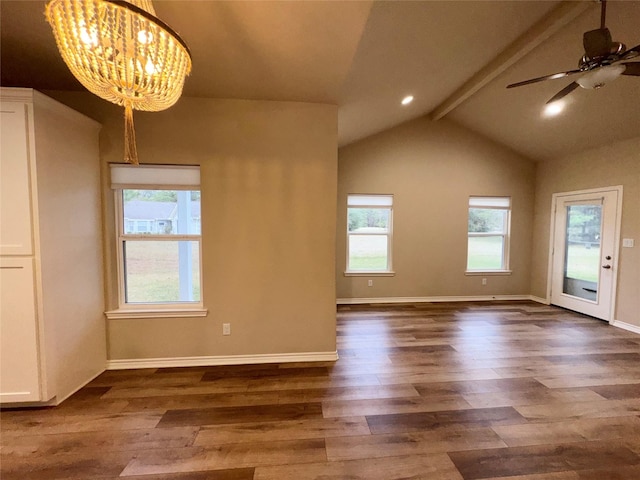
[553,76]
[632,69]
[631,53]
[562,93]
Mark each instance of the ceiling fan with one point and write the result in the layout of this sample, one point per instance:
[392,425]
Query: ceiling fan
[603,61]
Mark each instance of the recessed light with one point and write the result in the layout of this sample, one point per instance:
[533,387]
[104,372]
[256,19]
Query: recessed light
[553,109]
[407,100]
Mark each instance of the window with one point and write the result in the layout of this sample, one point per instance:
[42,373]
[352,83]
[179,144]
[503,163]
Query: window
[369,231]
[488,234]
[159,238]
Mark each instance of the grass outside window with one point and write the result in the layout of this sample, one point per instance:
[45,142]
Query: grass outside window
[485,253]
[152,271]
[583,262]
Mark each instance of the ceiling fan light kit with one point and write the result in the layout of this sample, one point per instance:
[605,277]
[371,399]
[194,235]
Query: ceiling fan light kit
[122,53]
[599,77]
[603,61]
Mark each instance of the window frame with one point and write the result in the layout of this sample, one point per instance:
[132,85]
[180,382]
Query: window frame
[158,309]
[389,234]
[506,233]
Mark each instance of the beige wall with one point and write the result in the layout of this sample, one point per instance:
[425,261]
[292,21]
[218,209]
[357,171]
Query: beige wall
[268,173]
[432,168]
[273,259]
[617,164]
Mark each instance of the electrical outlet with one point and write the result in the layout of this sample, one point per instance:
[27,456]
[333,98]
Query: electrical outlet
[370,283]
[226,329]
[484,281]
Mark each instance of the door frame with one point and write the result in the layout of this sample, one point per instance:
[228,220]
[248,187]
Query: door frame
[616,243]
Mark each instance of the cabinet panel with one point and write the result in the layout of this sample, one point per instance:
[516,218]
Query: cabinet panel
[15,189]
[52,342]
[19,363]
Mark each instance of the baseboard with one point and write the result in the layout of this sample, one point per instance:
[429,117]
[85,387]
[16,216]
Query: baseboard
[625,326]
[477,298]
[207,361]
[544,301]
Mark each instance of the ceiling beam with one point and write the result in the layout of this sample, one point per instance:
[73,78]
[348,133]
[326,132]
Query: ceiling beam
[547,26]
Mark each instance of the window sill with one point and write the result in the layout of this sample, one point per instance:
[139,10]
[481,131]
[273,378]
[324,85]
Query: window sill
[378,273]
[124,313]
[487,272]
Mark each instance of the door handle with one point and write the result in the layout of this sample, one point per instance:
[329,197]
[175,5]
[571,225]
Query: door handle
[606,266]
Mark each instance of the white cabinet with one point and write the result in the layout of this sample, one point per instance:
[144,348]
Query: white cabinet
[15,190]
[20,378]
[52,332]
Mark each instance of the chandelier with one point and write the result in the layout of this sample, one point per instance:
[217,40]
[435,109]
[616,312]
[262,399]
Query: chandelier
[122,53]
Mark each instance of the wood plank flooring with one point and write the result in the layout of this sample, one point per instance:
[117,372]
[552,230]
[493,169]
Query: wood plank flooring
[460,391]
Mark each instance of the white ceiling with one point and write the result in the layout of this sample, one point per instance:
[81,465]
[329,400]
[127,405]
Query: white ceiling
[365,56]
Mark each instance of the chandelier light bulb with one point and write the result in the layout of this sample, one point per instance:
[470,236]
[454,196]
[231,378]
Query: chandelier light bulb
[145,37]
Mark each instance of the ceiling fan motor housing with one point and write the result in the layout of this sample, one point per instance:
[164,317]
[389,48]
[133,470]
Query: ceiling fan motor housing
[597,43]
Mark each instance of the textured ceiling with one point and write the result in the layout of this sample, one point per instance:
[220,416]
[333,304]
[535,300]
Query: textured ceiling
[365,56]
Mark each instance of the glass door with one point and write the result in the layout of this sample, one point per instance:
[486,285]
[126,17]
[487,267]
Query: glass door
[584,246]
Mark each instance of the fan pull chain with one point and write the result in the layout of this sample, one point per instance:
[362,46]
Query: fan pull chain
[130,151]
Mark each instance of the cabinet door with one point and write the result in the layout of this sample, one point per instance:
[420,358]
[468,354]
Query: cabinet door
[19,363]
[15,185]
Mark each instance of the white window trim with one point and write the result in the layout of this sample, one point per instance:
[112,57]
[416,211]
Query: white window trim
[372,273]
[369,273]
[169,312]
[487,273]
[506,238]
[188,179]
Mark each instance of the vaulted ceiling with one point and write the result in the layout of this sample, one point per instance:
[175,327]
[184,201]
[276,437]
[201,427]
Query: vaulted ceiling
[454,57]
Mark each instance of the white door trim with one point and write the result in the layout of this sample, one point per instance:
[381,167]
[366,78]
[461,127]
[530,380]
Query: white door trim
[618,224]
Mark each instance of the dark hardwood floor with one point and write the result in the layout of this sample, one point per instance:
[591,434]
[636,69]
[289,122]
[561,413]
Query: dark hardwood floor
[453,391]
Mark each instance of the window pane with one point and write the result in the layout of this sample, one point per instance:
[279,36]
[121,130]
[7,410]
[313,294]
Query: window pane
[159,272]
[487,220]
[161,212]
[369,220]
[485,253]
[368,252]
[582,259]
